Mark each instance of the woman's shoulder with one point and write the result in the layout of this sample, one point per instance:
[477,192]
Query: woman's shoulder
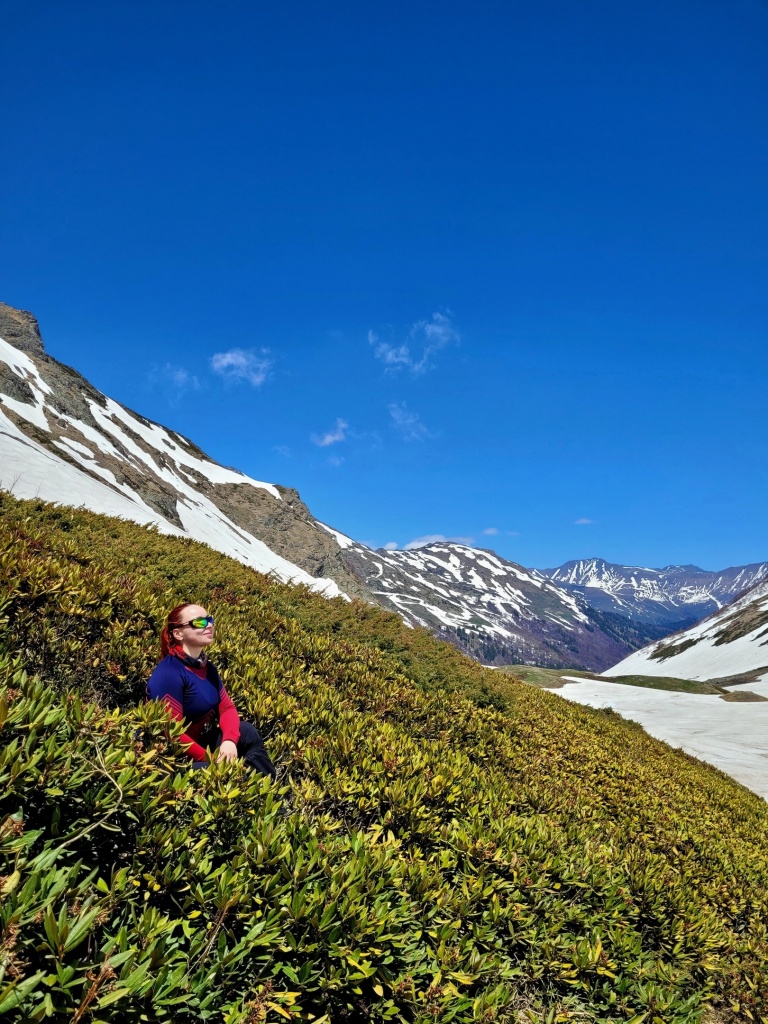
[169,661]
[168,668]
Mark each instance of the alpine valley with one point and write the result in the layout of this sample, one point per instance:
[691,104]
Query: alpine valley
[64,441]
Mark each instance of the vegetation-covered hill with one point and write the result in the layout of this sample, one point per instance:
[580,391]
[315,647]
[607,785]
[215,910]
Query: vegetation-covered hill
[443,844]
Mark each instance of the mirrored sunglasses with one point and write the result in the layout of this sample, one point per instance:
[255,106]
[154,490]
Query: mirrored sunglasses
[199,623]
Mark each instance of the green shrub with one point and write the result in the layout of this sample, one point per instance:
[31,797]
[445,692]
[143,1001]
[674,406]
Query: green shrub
[443,843]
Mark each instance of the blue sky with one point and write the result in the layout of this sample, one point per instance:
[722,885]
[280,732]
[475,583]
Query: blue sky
[492,271]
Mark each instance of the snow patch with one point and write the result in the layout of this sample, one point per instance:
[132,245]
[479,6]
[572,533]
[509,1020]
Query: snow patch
[341,539]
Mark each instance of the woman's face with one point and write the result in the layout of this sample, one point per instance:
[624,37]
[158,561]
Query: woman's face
[191,636]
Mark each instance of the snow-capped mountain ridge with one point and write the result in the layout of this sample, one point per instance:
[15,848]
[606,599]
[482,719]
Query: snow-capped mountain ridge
[732,641]
[496,610]
[676,595]
[64,441]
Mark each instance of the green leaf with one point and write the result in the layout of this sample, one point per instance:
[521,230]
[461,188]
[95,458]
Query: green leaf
[112,997]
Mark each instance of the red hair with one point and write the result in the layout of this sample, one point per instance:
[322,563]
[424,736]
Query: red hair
[174,618]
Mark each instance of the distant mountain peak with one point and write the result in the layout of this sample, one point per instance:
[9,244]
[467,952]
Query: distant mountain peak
[496,610]
[677,595]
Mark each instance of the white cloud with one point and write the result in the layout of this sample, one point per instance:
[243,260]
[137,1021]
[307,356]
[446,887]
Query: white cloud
[336,460]
[332,436]
[181,379]
[390,355]
[425,338]
[583,522]
[391,545]
[491,531]
[436,538]
[407,423]
[242,364]
[282,449]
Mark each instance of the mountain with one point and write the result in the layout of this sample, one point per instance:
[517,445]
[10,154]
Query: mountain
[495,610]
[731,642]
[64,441]
[673,597]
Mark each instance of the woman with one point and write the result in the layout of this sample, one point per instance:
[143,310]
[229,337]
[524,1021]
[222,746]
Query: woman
[192,690]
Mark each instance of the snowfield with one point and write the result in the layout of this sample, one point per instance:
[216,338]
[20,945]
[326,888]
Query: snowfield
[28,470]
[341,538]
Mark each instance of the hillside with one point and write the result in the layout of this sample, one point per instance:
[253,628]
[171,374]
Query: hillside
[731,642]
[444,844]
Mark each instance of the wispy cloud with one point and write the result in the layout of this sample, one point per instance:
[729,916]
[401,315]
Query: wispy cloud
[181,381]
[282,449]
[425,338]
[242,364]
[436,538]
[407,423]
[336,460]
[332,436]
[180,378]
[490,531]
[391,545]
[583,522]
[392,357]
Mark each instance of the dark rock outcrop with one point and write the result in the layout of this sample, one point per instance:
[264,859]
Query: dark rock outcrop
[20,329]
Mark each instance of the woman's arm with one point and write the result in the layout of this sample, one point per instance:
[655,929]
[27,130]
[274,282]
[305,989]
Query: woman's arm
[229,723]
[229,720]
[165,684]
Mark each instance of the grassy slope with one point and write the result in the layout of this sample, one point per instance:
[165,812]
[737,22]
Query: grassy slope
[553,679]
[446,843]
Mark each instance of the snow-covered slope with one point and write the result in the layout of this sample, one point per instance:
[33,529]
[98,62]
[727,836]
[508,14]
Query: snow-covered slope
[675,596]
[497,611]
[64,441]
[730,642]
